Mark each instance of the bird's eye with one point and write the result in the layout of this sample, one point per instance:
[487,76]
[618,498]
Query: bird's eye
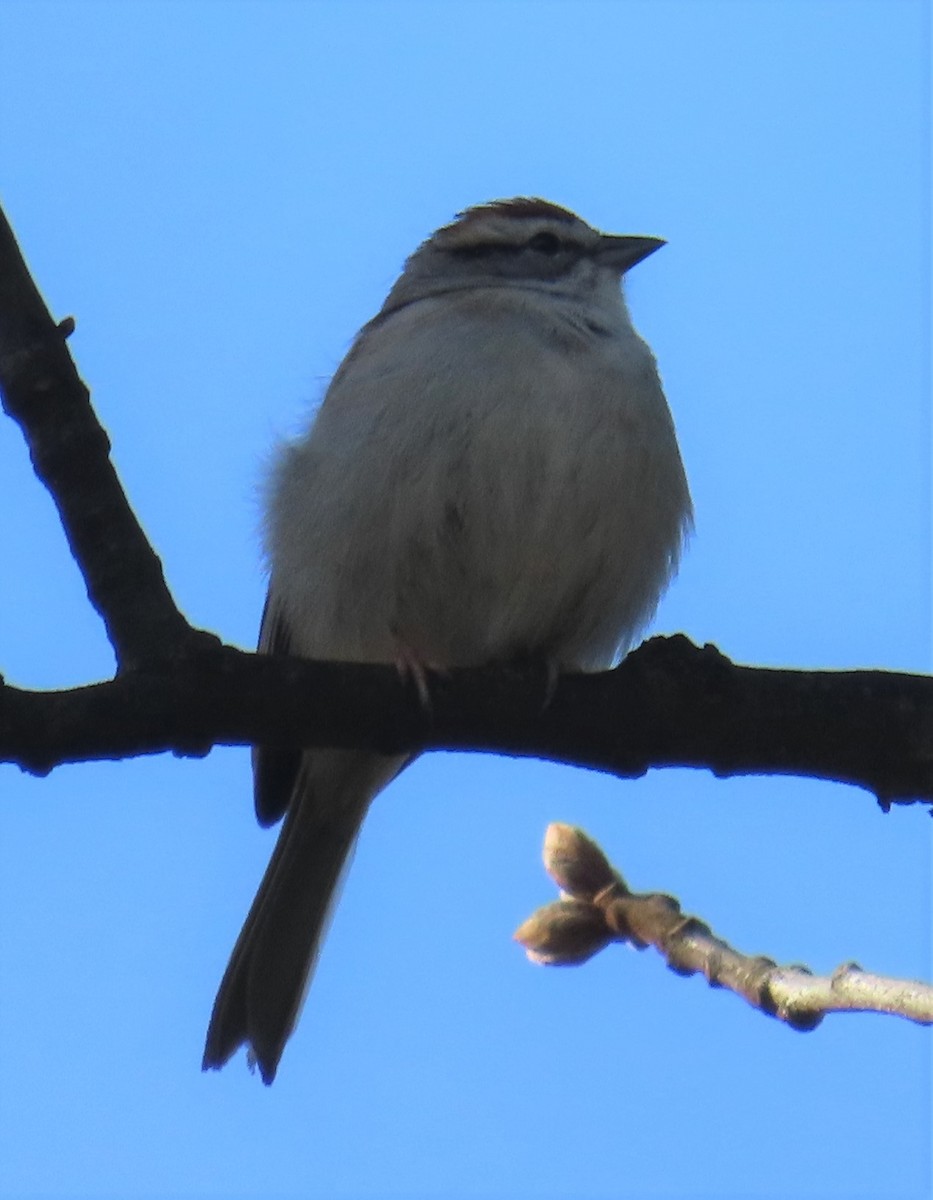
[545,243]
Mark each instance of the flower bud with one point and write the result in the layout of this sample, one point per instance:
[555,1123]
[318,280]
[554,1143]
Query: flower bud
[564,933]
[575,862]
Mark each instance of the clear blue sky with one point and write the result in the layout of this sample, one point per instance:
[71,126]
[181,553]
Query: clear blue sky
[221,194]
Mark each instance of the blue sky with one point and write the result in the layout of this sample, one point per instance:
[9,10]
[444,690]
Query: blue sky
[221,194]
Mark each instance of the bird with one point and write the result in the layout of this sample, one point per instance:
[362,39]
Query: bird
[492,475]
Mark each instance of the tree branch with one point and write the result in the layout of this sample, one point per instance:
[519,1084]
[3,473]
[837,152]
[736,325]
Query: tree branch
[669,704]
[179,689]
[41,390]
[597,908]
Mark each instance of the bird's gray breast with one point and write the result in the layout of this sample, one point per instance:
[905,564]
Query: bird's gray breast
[493,492]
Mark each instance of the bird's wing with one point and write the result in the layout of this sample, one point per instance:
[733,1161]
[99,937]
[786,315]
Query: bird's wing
[275,768]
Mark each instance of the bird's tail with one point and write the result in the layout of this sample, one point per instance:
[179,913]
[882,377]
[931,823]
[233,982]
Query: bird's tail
[263,988]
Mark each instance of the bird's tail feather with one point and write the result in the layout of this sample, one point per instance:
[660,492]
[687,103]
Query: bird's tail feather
[262,990]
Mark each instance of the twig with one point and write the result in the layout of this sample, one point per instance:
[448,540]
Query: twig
[597,908]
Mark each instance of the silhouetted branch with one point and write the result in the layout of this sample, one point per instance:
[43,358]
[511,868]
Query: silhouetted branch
[668,704]
[597,908]
[42,391]
[179,689]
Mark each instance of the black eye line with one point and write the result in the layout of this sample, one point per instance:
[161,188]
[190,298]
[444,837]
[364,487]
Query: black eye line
[485,250]
[553,245]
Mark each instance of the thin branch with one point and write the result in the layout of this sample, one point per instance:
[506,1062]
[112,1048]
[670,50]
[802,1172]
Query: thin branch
[597,908]
[41,390]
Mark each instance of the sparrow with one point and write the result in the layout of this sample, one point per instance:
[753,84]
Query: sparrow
[493,475]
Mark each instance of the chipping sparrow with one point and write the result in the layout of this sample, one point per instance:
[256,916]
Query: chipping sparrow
[493,474]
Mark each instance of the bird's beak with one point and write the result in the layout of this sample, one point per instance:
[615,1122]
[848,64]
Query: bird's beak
[624,251]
